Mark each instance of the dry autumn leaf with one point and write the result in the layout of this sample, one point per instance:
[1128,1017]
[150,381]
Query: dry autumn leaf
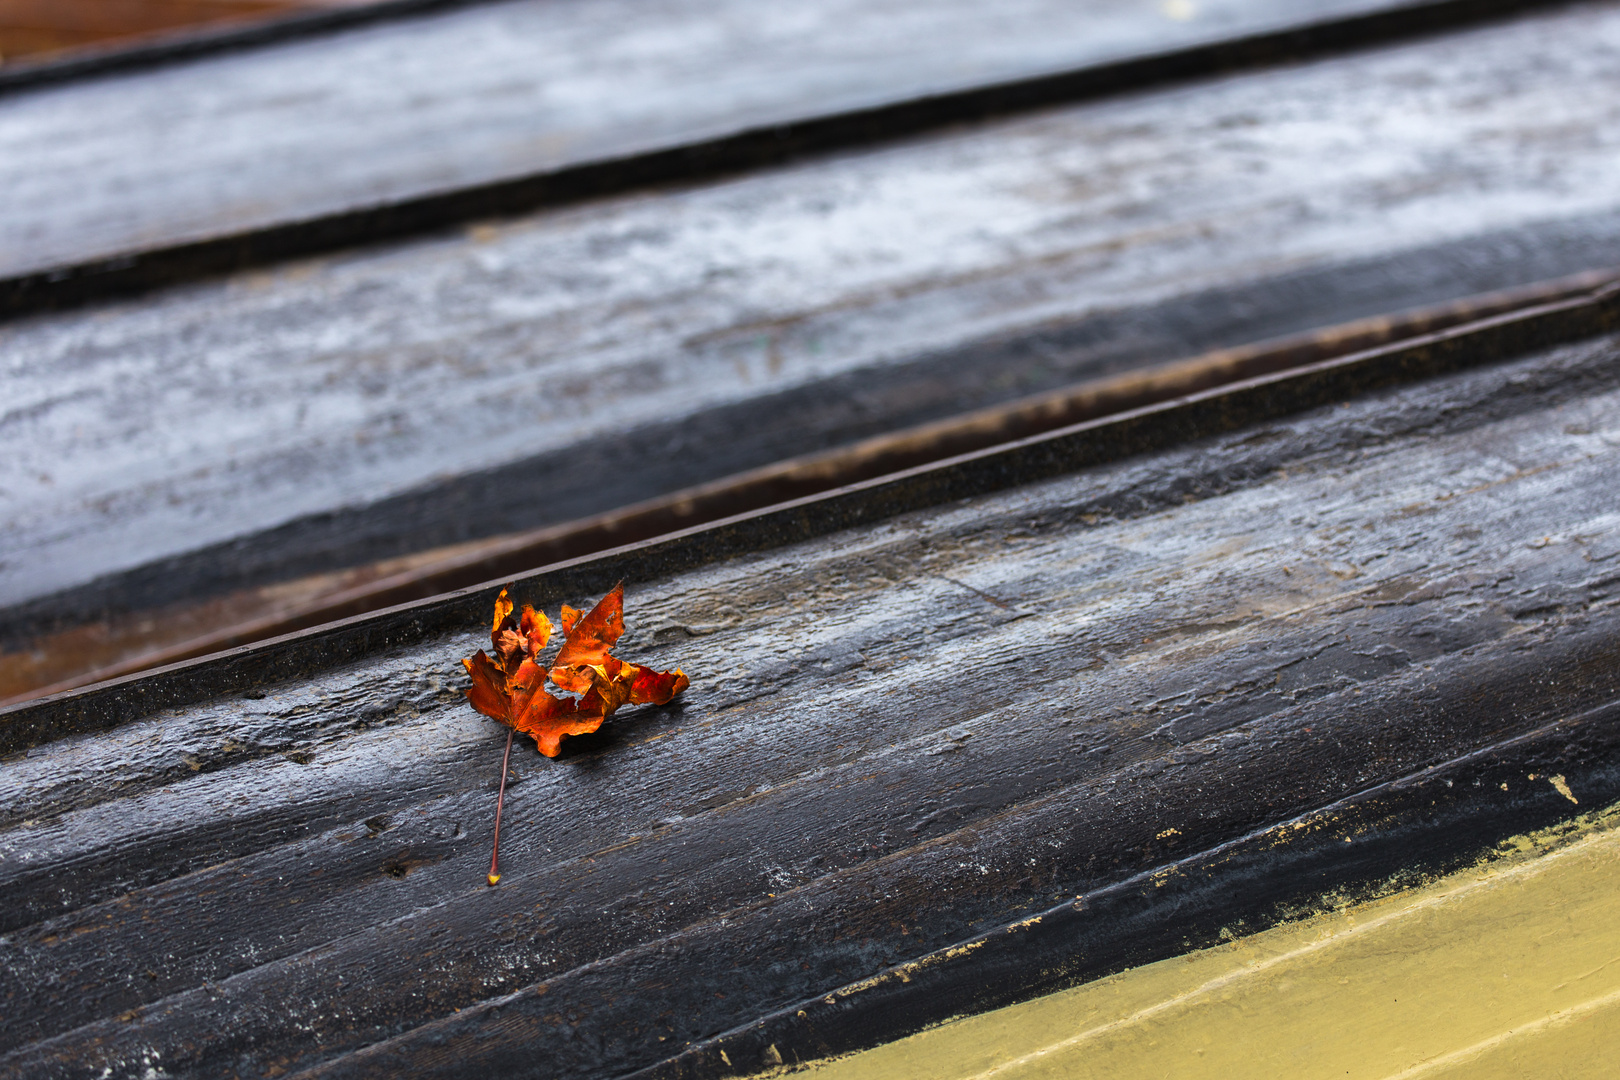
[593,683]
[511,685]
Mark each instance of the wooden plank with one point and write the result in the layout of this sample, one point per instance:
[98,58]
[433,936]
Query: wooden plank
[418,123]
[349,409]
[183,629]
[1391,986]
[899,735]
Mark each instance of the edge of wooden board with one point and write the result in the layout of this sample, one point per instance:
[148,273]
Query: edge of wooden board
[1371,844]
[1084,445]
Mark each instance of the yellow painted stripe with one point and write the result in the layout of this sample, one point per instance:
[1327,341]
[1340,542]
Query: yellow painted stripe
[1510,969]
[1506,1049]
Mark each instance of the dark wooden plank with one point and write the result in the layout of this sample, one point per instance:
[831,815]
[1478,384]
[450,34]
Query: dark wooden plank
[350,409]
[899,735]
[1444,819]
[418,123]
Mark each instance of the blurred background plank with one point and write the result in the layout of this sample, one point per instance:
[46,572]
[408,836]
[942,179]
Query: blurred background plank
[98,168]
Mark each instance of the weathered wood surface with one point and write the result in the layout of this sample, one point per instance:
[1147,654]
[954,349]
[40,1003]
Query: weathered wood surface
[349,409]
[122,643]
[380,113]
[897,737]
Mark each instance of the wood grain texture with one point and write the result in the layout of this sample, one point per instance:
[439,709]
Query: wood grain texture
[344,410]
[897,737]
[124,642]
[383,112]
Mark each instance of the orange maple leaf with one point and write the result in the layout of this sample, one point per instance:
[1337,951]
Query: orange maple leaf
[511,686]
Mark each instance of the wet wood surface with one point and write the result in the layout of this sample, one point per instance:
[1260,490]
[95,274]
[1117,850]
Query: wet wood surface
[101,167]
[331,413]
[898,736]
[118,645]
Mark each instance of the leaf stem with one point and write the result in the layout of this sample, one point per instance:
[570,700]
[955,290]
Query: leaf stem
[495,856]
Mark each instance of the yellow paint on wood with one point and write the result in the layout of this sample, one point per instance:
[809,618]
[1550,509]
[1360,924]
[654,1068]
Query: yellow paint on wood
[1511,969]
